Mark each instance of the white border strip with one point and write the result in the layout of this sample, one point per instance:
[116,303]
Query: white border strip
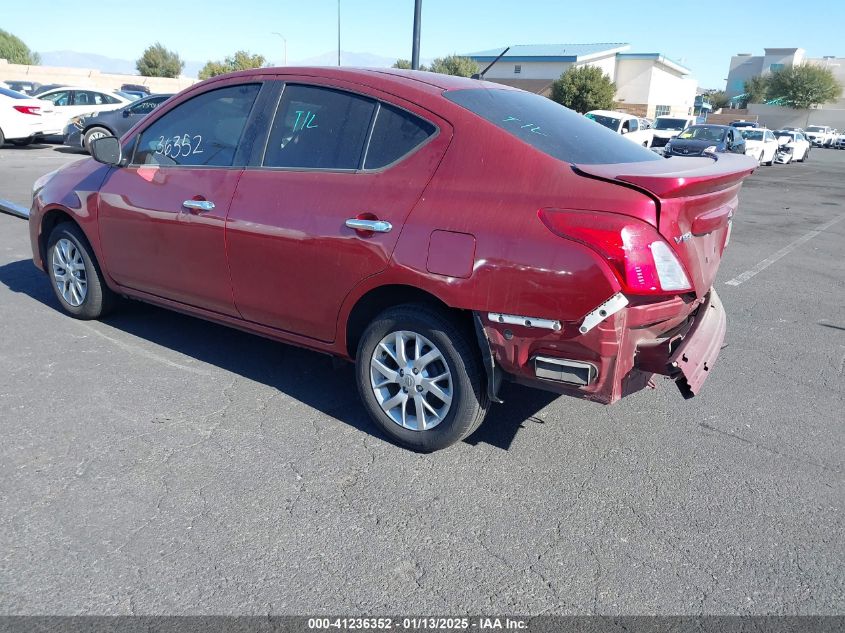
[786,250]
[14,209]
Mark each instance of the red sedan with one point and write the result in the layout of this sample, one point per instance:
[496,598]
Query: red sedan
[444,233]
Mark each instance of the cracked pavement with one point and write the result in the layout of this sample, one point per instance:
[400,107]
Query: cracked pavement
[157,464]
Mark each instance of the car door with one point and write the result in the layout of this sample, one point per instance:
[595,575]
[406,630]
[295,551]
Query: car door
[162,217]
[334,159]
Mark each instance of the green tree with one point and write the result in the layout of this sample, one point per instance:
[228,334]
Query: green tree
[13,50]
[756,89]
[157,61]
[718,99]
[241,60]
[404,64]
[584,88]
[804,86]
[454,65]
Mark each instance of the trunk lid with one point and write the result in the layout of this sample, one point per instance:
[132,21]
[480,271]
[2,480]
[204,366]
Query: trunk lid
[696,199]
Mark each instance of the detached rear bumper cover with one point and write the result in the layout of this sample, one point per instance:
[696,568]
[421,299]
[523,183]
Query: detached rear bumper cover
[695,357]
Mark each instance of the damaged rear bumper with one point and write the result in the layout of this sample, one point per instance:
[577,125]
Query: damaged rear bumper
[691,362]
[679,338]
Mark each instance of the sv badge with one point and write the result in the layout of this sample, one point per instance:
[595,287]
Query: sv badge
[683,238]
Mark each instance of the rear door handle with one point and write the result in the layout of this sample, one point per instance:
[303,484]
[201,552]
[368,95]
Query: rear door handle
[198,205]
[377,226]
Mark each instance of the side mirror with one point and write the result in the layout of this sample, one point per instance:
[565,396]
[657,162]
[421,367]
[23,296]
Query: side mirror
[107,150]
[624,130]
[126,113]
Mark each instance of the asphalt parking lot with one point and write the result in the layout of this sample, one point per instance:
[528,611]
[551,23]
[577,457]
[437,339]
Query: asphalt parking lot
[154,463]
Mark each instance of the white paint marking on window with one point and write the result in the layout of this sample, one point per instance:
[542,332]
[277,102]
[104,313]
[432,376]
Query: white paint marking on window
[786,250]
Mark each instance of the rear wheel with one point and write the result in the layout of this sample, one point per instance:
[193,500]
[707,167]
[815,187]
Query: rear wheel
[75,275]
[420,377]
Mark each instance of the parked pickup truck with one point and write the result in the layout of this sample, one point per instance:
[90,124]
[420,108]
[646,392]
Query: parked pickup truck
[820,135]
[626,124]
[668,127]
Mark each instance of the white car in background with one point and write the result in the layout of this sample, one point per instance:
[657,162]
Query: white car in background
[761,144]
[666,128]
[820,135]
[72,101]
[24,119]
[628,125]
[839,141]
[792,146]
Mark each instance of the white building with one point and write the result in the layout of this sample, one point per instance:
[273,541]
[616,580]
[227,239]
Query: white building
[647,84]
[745,65]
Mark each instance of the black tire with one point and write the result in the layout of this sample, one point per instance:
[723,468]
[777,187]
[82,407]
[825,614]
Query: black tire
[99,131]
[459,350]
[2,139]
[21,142]
[99,299]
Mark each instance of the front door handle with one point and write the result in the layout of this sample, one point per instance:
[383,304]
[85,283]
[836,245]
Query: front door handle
[199,205]
[377,226]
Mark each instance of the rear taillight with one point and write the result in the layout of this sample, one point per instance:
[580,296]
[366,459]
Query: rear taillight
[28,109]
[642,260]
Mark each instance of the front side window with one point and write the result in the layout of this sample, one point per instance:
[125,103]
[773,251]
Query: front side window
[203,131]
[318,128]
[551,128]
[396,133]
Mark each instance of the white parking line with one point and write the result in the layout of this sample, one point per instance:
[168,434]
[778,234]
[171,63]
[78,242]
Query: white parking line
[748,274]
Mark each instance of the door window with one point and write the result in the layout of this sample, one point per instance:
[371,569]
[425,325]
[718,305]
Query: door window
[89,97]
[58,98]
[146,106]
[203,131]
[396,133]
[318,128]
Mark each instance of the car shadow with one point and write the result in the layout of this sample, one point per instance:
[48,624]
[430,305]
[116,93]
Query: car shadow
[310,377]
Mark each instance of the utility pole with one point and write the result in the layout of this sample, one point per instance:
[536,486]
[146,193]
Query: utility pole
[415,48]
[338,32]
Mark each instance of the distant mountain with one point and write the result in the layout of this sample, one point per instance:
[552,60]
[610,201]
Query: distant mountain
[74,59]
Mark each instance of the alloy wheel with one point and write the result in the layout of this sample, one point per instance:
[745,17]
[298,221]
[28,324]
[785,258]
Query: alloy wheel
[69,272]
[411,380]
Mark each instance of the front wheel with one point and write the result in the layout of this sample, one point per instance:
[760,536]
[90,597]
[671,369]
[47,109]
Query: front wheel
[420,377]
[76,278]
[92,135]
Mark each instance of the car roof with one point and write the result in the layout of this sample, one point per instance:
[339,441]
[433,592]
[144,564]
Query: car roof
[103,90]
[613,113]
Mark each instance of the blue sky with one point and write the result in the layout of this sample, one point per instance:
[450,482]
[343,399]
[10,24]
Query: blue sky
[694,33]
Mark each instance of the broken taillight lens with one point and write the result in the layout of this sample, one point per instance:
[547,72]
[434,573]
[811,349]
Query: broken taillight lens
[643,261]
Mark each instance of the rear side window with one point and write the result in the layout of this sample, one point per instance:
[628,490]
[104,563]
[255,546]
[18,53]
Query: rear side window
[203,131]
[318,128]
[549,127]
[395,134]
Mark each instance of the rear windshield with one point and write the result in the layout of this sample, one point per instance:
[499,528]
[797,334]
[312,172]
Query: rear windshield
[12,94]
[815,128]
[669,124]
[752,135]
[549,127]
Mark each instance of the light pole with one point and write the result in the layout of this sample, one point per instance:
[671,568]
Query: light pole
[415,47]
[338,32]
[285,40]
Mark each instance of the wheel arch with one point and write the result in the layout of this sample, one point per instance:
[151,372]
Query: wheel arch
[380,298]
[50,220]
